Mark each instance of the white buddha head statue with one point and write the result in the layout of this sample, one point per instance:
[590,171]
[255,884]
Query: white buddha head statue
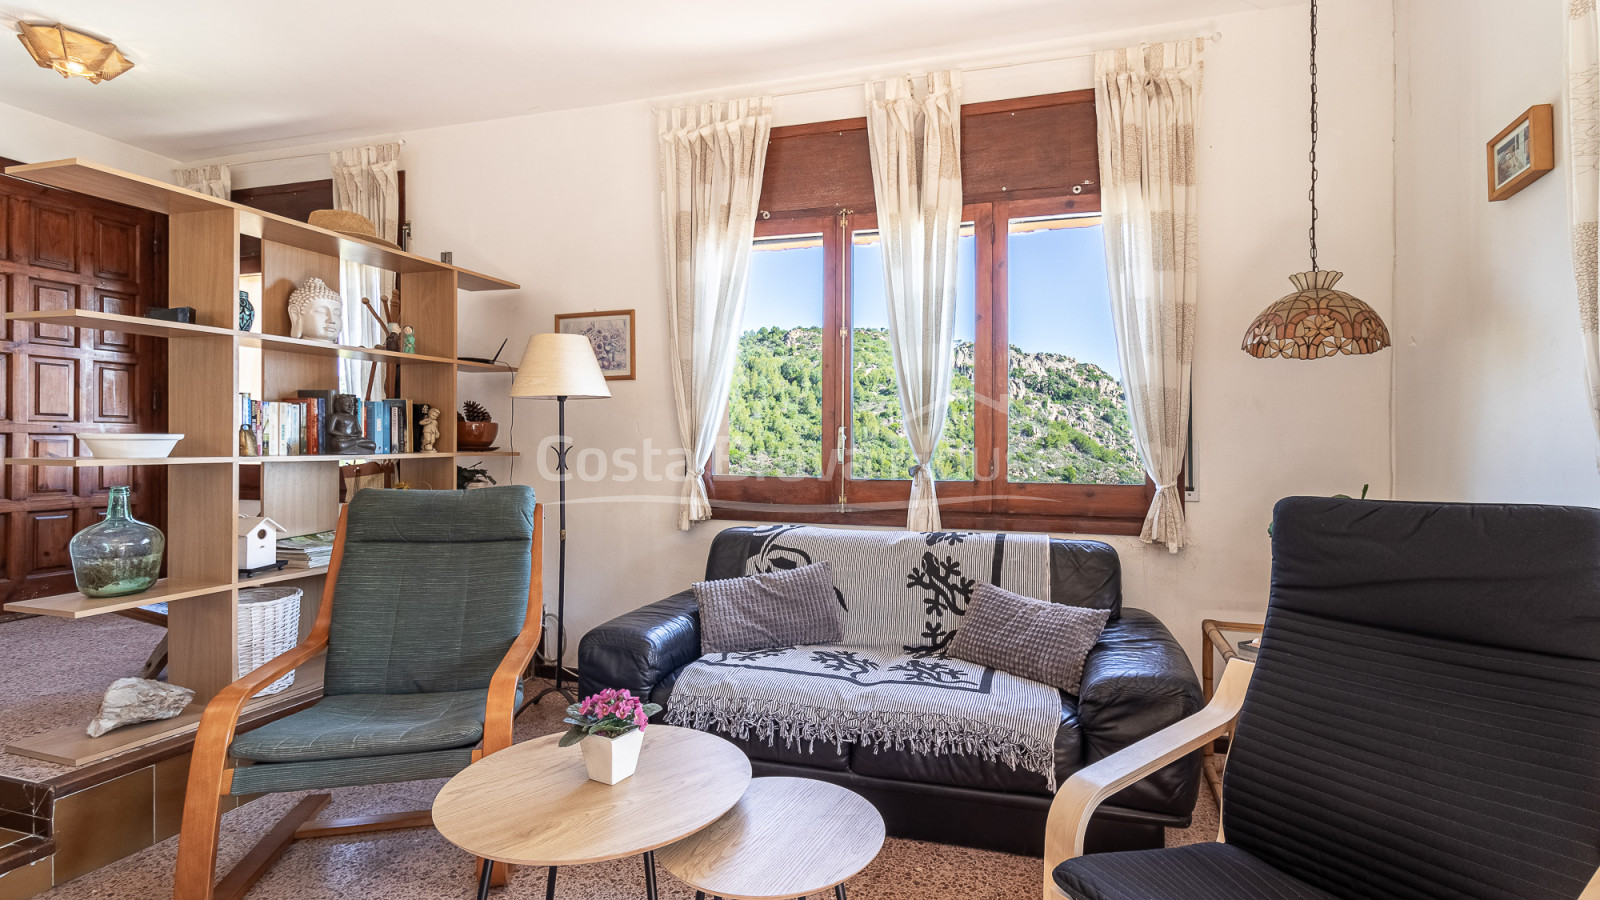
[316,311]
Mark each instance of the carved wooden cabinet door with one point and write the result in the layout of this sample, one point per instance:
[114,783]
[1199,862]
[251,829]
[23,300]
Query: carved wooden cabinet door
[60,250]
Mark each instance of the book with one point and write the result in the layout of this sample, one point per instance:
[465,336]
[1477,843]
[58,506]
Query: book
[394,424]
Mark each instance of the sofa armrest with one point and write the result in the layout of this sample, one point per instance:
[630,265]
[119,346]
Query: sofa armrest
[1137,681]
[637,650]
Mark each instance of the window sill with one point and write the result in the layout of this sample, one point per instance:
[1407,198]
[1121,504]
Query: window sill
[951,517]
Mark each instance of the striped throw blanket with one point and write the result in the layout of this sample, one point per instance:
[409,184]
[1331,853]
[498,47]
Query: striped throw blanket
[889,684]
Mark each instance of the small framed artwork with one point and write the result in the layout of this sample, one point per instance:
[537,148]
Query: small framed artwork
[1522,153]
[611,333]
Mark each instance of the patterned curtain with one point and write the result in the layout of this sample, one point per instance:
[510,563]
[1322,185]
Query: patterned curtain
[366,180]
[213,181]
[916,181]
[1147,100]
[1583,180]
[712,159]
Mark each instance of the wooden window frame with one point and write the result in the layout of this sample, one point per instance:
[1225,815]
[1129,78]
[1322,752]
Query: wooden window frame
[989,501]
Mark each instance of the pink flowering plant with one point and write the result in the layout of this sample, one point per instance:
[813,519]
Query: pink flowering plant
[610,713]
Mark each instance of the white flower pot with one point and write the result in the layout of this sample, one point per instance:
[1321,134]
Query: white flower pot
[612,759]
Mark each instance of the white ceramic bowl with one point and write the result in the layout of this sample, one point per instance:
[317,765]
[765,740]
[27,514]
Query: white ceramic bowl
[130,446]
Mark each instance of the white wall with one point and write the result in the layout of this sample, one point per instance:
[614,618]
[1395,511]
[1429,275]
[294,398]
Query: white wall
[1489,370]
[566,204]
[32,138]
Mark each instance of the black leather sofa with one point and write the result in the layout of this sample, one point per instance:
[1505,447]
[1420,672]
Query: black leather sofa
[1136,681]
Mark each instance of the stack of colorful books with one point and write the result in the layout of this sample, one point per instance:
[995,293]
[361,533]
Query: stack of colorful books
[298,426]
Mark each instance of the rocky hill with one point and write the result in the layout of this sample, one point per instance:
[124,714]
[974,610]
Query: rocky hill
[1068,420]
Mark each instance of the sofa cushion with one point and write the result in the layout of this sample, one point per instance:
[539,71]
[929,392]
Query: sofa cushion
[1035,639]
[968,770]
[783,608]
[355,725]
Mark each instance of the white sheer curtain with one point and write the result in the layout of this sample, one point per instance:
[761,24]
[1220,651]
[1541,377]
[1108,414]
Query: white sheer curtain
[1583,180]
[712,158]
[366,180]
[1146,100]
[213,181]
[915,142]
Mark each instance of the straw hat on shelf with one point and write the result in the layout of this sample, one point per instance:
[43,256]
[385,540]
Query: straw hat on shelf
[348,223]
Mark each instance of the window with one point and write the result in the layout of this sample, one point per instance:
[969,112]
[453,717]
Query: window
[1037,435]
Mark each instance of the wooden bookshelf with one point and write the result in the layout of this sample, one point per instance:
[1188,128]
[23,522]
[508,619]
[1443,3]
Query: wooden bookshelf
[202,584]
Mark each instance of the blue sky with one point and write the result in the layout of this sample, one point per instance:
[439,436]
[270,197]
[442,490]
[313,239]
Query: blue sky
[1059,299]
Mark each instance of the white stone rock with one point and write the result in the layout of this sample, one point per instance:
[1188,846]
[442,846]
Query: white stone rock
[131,700]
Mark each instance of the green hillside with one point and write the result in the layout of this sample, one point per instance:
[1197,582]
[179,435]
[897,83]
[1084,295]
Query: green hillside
[1068,420]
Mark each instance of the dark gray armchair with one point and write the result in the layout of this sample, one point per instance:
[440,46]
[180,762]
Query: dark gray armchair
[1423,720]
[429,617]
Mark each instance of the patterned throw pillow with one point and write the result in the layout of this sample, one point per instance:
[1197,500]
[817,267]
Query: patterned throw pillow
[768,609]
[1032,639]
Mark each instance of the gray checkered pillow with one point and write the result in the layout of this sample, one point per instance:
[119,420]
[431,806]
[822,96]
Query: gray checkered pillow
[769,609]
[1033,639]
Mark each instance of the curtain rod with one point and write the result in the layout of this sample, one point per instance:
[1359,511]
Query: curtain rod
[1215,37]
[251,162]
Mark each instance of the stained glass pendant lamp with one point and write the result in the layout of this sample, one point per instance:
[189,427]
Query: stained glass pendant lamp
[1316,320]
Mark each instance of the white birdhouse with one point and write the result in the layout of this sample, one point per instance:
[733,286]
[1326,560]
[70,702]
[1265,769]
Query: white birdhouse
[258,541]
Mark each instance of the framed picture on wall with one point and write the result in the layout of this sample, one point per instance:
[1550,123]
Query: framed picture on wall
[1522,153]
[611,333]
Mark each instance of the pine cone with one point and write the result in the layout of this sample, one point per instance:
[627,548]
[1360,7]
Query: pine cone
[473,411]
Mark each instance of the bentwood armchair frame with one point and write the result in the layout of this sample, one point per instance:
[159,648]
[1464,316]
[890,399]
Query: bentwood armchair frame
[211,776]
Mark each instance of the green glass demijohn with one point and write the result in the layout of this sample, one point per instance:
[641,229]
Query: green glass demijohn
[118,555]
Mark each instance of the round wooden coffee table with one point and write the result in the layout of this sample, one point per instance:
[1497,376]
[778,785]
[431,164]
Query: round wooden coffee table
[533,804]
[786,838]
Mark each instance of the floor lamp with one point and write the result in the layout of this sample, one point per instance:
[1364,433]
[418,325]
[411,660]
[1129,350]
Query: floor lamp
[560,367]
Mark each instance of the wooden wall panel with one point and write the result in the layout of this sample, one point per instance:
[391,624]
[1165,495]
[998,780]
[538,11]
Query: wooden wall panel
[52,239]
[60,250]
[52,295]
[116,249]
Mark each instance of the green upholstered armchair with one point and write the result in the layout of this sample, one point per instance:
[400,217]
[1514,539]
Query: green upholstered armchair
[430,614]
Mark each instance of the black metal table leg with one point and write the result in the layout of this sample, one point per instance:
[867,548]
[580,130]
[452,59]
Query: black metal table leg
[550,884]
[650,875]
[483,880]
[838,892]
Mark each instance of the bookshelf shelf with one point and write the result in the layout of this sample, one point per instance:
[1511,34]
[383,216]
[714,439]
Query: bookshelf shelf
[104,321]
[323,457]
[478,368]
[78,606]
[280,344]
[94,462]
[205,363]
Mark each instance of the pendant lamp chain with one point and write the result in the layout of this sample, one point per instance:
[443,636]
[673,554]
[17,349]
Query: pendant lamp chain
[1317,320]
[1313,192]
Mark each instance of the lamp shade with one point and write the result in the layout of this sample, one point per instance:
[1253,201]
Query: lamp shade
[72,53]
[560,365]
[1315,321]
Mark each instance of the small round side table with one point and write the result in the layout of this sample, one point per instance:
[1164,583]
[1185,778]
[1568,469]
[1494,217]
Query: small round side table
[532,804]
[786,838]
[1227,639]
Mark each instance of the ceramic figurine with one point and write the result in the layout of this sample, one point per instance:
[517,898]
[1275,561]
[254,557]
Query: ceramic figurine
[344,432]
[409,341]
[391,340]
[247,311]
[430,429]
[316,312]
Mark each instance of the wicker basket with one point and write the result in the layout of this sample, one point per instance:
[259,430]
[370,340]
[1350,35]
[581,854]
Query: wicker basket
[269,626]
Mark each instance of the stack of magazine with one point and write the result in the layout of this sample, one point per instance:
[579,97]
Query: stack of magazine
[307,551]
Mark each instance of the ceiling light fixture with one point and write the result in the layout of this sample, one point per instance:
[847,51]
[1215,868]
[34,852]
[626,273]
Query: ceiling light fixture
[1316,320]
[73,53]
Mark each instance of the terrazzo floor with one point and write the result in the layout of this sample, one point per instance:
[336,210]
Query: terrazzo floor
[55,672]
[417,863]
